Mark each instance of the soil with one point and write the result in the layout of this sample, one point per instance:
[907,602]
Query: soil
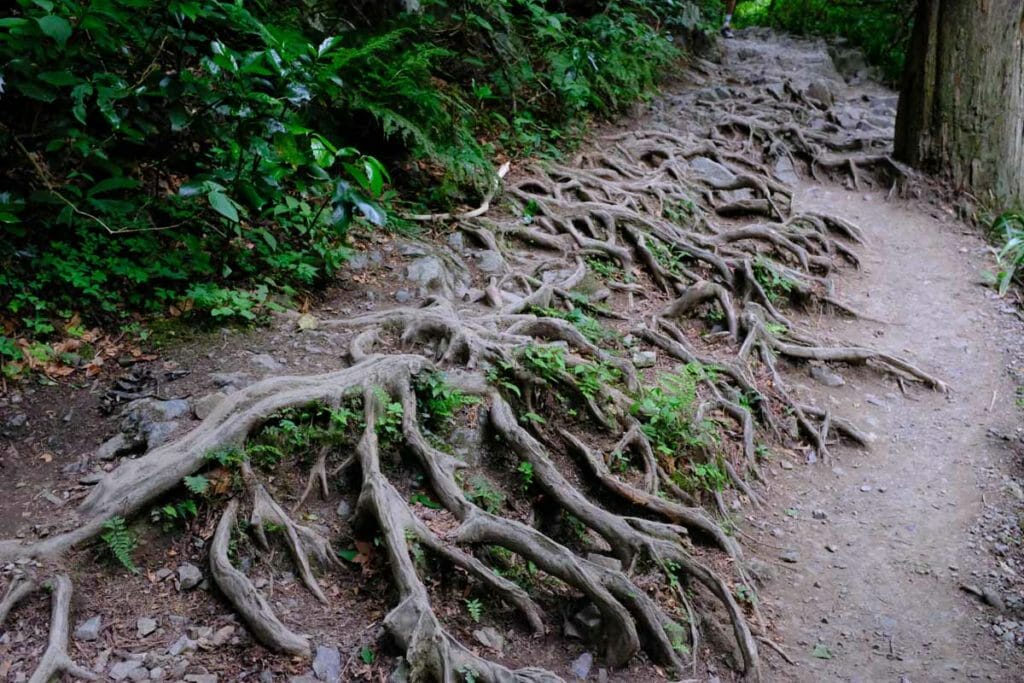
[885,539]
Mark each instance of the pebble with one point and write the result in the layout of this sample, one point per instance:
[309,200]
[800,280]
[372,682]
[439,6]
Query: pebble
[581,666]
[145,626]
[819,514]
[645,359]
[189,576]
[120,671]
[790,556]
[90,629]
[327,664]
[865,488]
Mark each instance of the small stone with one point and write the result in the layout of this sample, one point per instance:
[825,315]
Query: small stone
[785,464]
[266,362]
[403,296]
[581,666]
[589,621]
[113,447]
[344,509]
[992,598]
[819,514]
[266,676]
[138,675]
[489,637]
[645,359]
[207,404]
[327,664]
[145,626]
[865,488]
[157,674]
[306,322]
[201,678]
[790,556]
[822,375]
[189,576]
[235,380]
[90,629]
[831,548]
[223,635]
[182,644]
[120,671]
[17,421]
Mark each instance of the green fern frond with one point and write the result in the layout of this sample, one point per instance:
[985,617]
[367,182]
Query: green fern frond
[120,542]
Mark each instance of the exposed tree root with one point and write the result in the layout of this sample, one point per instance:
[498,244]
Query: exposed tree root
[55,660]
[637,222]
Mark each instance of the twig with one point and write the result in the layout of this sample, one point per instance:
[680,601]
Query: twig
[778,648]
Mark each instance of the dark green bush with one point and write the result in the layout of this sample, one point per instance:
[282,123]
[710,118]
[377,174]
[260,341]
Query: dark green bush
[201,153]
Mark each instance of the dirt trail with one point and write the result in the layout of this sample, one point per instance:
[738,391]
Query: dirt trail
[867,551]
[877,581]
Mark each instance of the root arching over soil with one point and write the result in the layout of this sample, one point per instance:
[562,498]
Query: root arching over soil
[633,247]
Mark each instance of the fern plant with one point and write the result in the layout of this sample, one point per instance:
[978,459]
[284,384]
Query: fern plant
[120,542]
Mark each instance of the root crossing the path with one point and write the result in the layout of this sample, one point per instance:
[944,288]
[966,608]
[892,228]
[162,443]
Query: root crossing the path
[626,366]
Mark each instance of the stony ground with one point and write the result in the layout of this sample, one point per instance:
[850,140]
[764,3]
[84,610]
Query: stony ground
[901,562]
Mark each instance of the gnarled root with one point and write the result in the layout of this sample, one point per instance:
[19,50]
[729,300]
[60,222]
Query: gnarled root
[254,610]
[55,659]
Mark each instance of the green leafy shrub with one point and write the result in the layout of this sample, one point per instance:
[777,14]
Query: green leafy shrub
[1008,232]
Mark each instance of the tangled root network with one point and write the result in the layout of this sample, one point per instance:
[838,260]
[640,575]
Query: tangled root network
[674,245]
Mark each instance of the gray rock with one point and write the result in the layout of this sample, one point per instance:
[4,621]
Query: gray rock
[157,673]
[145,626]
[490,261]
[344,509]
[645,359]
[266,676]
[819,514]
[266,362]
[778,91]
[581,666]
[865,488]
[589,622]
[207,404]
[113,447]
[120,671]
[189,576]
[456,241]
[182,644]
[89,629]
[155,410]
[427,272]
[712,172]
[489,637]
[17,421]
[790,556]
[403,296]
[822,375]
[158,433]
[303,679]
[820,93]
[201,678]
[139,674]
[222,635]
[235,380]
[785,170]
[762,571]
[327,664]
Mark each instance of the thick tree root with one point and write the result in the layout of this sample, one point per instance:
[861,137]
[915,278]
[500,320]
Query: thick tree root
[55,660]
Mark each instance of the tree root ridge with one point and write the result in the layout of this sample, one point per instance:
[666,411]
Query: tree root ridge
[640,230]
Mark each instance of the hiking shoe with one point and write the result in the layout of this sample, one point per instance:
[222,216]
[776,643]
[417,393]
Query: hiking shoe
[727,32]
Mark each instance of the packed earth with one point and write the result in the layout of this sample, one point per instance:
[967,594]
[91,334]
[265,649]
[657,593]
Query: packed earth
[722,397]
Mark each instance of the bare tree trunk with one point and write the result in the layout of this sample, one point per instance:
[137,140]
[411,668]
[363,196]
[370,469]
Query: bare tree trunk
[961,110]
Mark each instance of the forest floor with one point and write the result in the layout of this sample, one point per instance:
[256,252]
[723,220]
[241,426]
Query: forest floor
[900,562]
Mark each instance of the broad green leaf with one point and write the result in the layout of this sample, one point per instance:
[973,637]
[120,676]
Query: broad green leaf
[58,78]
[322,154]
[821,651]
[55,27]
[223,205]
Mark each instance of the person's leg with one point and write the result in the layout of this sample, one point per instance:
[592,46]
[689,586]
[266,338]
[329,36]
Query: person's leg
[730,6]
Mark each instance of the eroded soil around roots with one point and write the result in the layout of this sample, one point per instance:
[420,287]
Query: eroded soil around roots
[603,434]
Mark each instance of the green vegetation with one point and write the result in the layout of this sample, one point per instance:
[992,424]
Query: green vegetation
[196,157]
[120,542]
[881,28]
[1008,233]
[438,401]
[475,608]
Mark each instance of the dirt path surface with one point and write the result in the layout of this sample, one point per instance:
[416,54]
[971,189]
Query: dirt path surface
[877,581]
[727,179]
